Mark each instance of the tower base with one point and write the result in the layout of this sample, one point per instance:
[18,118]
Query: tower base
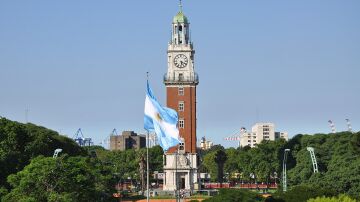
[180,169]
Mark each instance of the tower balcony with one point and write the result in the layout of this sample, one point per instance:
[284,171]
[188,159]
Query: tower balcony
[193,78]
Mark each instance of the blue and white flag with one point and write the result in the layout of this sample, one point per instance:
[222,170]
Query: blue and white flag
[162,120]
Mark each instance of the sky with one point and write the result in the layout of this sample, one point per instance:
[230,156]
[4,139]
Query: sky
[82,64]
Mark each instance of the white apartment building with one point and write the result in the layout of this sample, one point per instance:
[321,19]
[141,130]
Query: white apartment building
[260,132]
[205,144]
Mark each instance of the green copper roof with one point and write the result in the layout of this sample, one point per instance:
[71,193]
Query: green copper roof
[180,18]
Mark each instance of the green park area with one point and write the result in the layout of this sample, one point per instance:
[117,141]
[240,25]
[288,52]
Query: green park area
[28,171]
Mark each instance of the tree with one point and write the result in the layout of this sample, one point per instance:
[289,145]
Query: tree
[61,179]
[302,193]
[21,142]
[340,198]
[209,165]
[220,159]
[231,165]
[339,163]
[355,143]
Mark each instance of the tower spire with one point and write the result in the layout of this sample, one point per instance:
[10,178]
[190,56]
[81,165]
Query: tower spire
[180,6]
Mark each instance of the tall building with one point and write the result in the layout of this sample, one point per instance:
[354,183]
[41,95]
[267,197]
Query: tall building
[181,81]
[205,144]
[127,140]
[260,132]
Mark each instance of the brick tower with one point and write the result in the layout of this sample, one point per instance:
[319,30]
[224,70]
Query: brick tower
[181,81]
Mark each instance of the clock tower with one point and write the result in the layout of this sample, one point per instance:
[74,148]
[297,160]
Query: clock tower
[180,163]
[181,80]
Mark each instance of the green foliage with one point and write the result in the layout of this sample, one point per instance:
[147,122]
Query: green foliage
[21,142]
[338,159]
[235,195]
[209,165]
[340,198]
[156,158]
[220,159]
[355,143]
[262,161]
[303,193]
[61,179]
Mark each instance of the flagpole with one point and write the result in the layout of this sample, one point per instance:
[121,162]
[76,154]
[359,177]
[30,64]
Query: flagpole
[176,176]
[147,167]
[147,156]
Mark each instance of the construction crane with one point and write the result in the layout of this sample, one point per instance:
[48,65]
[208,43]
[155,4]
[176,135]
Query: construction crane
[236,136]
[81,140]
[349,125]
[106,142]
[332,126]
[313,159]
[286,151]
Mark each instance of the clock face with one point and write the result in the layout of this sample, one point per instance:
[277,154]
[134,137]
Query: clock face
[180,61]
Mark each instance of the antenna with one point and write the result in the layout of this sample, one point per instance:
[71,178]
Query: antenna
[26,115]
[349,125]
[332,126]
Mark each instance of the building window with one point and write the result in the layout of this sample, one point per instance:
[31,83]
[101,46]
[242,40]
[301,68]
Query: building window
[181,123]
[181,75]
[249,140]
[164,177]
[181,91]
[181,106]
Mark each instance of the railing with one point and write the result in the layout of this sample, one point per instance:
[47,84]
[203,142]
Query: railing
[192,78]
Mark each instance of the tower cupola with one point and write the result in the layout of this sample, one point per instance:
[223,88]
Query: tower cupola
[180,28]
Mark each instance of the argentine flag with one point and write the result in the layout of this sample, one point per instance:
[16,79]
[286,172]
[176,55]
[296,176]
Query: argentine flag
[162,120]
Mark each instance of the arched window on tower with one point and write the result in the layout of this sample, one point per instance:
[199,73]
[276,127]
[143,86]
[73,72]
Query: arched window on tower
[180,34]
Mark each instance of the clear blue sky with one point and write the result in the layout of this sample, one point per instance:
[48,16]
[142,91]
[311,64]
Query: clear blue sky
[82,64]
